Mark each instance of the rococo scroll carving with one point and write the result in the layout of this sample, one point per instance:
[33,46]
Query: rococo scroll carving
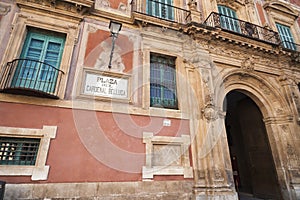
[248,64]
[233,3]
[210,111]
[4,9]
[102,4]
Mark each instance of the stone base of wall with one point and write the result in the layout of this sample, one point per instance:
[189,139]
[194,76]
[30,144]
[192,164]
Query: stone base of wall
[166,190]
[215,194]
[218,197]
[296,191]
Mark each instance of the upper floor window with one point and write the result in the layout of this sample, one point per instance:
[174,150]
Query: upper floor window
[228,19]
[40,59]
[163,81]
[160,8]
[286,36]
[36,72]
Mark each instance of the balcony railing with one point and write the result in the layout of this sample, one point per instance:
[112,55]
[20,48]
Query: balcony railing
[161,10]
[30,77]
[242,28]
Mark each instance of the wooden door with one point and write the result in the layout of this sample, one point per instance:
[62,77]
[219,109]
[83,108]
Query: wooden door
[263,175]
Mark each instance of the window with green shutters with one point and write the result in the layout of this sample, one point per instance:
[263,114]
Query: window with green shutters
[163,82]
[160,8]
[286,36]
[228,19]
[18,151]
[40,50]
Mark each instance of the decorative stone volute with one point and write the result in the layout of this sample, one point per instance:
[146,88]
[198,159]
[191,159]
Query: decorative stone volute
[4,9]
[248,64]
[211,112]
[195,14]
[68,9]
[232,3]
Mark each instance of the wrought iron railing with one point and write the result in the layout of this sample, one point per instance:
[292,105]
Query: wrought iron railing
[290,46]
[30,77]
[161,10]
[242,27]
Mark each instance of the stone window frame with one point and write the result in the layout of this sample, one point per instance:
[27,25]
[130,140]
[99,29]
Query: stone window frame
[157,111]
[148,171]
[283,13]
[40,170]
[26,19]
[172,66]
[239,6]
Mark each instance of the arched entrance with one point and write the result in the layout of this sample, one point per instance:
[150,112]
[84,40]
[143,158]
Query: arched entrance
[252,162]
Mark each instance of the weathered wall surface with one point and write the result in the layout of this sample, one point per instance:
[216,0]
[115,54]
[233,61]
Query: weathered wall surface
[90,146]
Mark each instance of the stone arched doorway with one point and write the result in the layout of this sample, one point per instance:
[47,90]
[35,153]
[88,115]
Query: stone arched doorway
[251,156]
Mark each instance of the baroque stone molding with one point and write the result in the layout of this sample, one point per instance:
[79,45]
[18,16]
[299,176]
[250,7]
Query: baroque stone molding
[123,7]
[91,29]
[235,4]
[4,9]
[102,4]
[211,112]
[248,64]
[166,155]
[116,62]
[218,176]
[70,8]
[282,7]
[192,5]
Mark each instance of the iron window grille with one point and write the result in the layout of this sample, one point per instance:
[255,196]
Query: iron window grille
[163,82]
[18,151]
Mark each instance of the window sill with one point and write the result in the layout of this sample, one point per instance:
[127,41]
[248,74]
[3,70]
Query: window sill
[165,112]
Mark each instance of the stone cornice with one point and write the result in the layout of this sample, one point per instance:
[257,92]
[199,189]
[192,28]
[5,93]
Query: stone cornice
[214,39]
[283,8]
[63,8]
[199,30]
[84,3]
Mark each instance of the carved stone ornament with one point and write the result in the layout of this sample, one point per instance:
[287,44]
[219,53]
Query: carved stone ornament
[192,5]
[248,64]
[210,112]
[290,150]
[69,6]
[265,89]
[217,174]
[117,62]
[91,29]
[232,3]
[102,4]
[4,9]
[122,7]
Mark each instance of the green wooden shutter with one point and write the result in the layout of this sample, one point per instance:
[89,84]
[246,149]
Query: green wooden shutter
[44,47]
[160,8]
[286,36]
[228,19]
[163,82]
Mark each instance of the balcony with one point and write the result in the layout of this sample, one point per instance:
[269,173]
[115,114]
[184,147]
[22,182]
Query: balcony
[31,78]
[151,9]
[242,28]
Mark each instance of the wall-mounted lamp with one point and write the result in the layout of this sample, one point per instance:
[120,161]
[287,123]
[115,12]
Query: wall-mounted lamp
[115,28]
